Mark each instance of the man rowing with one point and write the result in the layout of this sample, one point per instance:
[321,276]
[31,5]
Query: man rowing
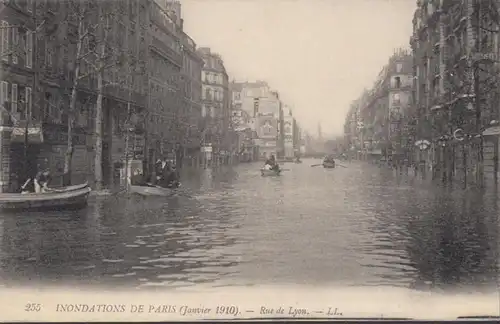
[271,164]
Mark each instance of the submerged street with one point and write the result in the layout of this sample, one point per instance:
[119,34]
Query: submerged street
[357,225]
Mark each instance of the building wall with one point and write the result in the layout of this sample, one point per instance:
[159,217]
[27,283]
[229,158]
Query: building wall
[444,34]
[192,72]
[375,125]
[288,135]
[216,102]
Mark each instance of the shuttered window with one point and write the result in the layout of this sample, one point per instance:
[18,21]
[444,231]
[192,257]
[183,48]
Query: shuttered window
[15,43]
[4,41]
[4,92]
[14,99]
[29,49]
[28,101]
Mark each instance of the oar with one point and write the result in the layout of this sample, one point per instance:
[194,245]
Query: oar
[342,165]
[315,165]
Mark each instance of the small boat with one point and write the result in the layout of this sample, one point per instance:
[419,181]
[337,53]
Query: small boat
[269,173]
[152,190]
[71,197]
[297,161]
[329,162]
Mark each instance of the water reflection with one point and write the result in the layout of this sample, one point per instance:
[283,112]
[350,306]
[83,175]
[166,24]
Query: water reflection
[453,240]
[358,225]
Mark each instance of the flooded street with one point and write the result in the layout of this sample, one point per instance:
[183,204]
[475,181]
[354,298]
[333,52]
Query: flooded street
[356,225]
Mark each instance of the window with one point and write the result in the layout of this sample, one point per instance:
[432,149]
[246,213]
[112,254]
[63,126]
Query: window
[15,42]
[28,101]
[4,91]
[396,99]
[13,106]
[4,32]
[49,52]
[397,82]
[399,67]
[29,49]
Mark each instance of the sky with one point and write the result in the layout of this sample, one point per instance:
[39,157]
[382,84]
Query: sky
[319,54]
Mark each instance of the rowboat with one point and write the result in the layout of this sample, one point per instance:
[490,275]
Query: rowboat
[151,190]
[269,173]
[71,197]
[329,164]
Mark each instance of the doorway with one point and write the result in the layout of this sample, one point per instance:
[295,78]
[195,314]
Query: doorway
[23,165]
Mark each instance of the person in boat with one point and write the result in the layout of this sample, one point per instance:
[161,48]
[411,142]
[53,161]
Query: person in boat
[42,180]
[169,175]
[271,163]
[158,171]
[137,178]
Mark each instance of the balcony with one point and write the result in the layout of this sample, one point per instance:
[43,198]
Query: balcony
[188,42]
[160,17]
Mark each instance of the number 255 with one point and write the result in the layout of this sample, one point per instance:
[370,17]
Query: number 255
[32,307]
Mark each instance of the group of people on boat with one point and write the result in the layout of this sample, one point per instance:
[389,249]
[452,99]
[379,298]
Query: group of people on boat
[165,174]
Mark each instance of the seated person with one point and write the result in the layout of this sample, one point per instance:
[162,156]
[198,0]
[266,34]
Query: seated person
[271,164]
[42,180]
[137,178]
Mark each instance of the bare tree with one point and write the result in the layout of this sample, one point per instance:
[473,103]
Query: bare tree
[81,12]
[93,19]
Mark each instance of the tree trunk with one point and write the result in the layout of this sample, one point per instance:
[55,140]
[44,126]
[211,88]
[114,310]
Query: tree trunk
[98,129]
[71,110]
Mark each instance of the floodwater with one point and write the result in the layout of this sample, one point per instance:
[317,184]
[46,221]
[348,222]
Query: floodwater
[356,225]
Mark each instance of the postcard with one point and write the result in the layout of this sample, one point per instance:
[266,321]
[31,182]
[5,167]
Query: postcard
[227,159]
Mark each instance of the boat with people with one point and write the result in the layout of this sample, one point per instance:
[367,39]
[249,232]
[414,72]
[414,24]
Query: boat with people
[71,197]
[329,162]
[163,182]
[271,167]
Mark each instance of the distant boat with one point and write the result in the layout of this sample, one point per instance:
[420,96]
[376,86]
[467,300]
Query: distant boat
[329,162]
[72,197]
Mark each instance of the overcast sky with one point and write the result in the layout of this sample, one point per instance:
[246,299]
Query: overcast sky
[319,54]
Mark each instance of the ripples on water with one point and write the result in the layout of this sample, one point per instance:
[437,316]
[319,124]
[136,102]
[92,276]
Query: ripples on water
[358,225]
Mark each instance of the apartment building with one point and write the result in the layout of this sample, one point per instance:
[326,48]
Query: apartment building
[455,45]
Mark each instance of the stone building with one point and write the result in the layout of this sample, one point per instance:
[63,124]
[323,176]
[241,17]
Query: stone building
[216,104]
[377,123]
[151,87]
[455,46]
[45,38]
[191,70]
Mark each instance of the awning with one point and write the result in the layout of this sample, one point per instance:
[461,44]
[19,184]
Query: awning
[492,131]
[375,152]
[35,134]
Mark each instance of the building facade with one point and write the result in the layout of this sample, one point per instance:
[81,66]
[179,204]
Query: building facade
[455,47]
[47,50]
[151,85]
[376,126]
[192,68]
[263,104]
[166,114]
[216,105]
